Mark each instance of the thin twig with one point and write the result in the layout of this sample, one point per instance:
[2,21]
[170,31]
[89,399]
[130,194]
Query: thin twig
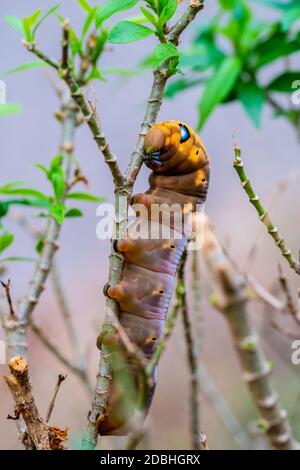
[60,380]
[290,306]
[6,286]
[262,213]
[230,299]
[221,408]
[80,372]
[278,192]
[194,376]
[65,44]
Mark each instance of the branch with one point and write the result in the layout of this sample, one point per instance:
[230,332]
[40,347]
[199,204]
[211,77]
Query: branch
[194,375]
[262,213]
[16,329]
[77,370]
[20,387]
[230,299]
[60,380]
[122,195]
[185,20]
[88,113]
[214,397]
[6,287]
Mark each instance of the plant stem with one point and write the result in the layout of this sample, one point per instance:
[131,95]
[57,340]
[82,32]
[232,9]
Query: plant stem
[262,212]
[230,299]
[194,374]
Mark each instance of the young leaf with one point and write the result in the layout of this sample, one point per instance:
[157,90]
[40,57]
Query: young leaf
[74,213]
[152,4]
[180,85]
[110,7]
[18,258]
[39,244]
[85,5]
[283,83]
[163,52]
[29,22]
[85,197]
[58,212]
[218,87]
[5,241]
[15,23]
[57,177]
[252,98]
[29,65]
[126,31]
[88,22]
[169,10]
[23,192]
[44,17]
[10,108]
[148,15]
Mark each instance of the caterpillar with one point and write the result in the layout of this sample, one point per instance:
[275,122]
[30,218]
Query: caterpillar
[180,175]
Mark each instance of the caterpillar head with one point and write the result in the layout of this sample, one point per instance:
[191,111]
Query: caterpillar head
[173,147]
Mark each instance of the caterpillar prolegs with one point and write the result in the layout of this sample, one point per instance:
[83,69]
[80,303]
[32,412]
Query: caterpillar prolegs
[180,175]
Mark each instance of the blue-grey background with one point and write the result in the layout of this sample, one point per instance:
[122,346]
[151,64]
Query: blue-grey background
[33,136]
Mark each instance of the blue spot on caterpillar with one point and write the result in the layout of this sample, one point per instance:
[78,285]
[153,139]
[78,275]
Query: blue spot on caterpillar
[180,174]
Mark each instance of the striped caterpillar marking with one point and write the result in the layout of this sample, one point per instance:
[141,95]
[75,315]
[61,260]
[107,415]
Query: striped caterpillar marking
[180,174]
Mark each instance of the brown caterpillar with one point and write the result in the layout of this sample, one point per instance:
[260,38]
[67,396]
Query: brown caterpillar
[180,174]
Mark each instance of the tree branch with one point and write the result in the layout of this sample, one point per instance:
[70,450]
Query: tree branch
[76,369]
[20,387]
[15,329]
[262,212]
[230,299]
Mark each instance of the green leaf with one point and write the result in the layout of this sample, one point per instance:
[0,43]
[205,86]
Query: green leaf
[152,4]
[10,108]
[277,46]
[39,244]
[169,10]
[279,4]
[29,65]
[252,98]
[180,85]
[110,7]
[163,52]
[283,83]
[23,192]
[148,15]
[228,4]
[74,213]
[85,5]
[58,212]
[15,23]
[29,22]
[85,197]
[57,176]
[42,168]
[218,87]
[18,258]
[88,22]
[5,241]
[44,17]
[126,31]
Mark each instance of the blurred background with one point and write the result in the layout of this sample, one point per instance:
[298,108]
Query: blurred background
[270,154]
